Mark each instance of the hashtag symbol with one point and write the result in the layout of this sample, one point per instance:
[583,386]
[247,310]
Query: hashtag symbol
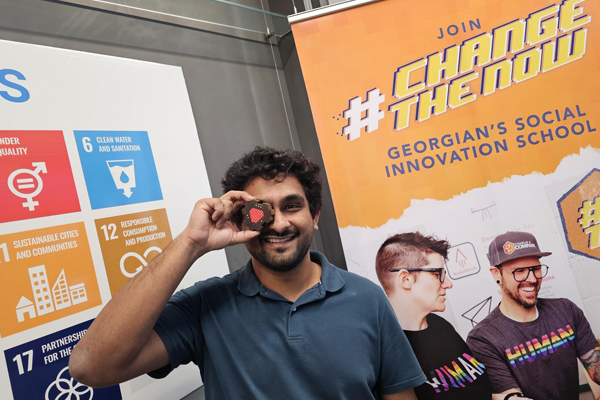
[589,213]
[355,110]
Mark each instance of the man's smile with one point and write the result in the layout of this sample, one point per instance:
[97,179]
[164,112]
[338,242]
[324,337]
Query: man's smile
[279,239]
[273,237]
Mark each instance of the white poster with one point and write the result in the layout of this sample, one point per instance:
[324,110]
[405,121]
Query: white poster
[100,167]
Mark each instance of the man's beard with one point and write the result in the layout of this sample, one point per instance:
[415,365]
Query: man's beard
[518,299]
[273,259]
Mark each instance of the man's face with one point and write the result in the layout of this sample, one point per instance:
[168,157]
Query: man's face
[427,289]
[285,241]
[523,293]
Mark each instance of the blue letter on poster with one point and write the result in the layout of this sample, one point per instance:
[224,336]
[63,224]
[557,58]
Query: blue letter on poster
[118,167]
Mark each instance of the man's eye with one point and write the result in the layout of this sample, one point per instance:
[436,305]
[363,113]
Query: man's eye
[520,270]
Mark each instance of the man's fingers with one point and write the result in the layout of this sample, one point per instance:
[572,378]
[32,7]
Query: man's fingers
[243,236]
[235,195]
[237,205]
[219,209]
[226,215]
[227,204]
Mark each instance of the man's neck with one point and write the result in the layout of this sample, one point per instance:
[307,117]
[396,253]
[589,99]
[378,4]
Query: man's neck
[410,316]
[517,312]
[289,284]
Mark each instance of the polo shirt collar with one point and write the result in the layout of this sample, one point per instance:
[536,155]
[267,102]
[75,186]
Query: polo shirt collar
[331,280]
[248,283]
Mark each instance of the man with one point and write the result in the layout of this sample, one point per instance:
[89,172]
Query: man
[410,267]
[530,345]
[288,325]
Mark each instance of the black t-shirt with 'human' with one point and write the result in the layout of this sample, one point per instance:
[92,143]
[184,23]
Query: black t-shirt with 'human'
[452,371]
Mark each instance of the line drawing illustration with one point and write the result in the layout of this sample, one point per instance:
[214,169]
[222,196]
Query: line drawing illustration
[479,311]
[485,211]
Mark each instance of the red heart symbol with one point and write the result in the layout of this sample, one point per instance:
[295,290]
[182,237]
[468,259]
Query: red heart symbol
[256,215]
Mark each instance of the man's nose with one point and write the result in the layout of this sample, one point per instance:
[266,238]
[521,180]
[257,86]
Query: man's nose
[280,222]
[447,284]
[531,277]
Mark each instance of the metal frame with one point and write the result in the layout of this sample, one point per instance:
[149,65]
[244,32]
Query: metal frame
[171,19]
[327,10]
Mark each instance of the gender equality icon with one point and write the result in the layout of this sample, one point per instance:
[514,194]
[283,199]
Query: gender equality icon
[118,167]
[23,180]
[35,176]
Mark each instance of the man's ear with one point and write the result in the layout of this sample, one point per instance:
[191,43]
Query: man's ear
[496,273]
[405,279]
[316,220]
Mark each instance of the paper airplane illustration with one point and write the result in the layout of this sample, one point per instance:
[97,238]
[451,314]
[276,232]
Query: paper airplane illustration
[479,311]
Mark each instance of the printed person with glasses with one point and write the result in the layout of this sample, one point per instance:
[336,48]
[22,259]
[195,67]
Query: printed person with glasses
[410,267]
[530,345]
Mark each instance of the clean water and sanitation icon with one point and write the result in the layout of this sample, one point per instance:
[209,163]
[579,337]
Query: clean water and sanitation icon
[118,167]
[123,174]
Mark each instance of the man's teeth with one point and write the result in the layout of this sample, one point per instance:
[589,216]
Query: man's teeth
[528,289]
[278,240]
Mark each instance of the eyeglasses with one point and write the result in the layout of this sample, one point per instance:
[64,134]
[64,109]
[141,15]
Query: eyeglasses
[440,271]
[522,274]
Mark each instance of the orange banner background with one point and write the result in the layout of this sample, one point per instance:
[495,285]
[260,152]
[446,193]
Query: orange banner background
[348,53]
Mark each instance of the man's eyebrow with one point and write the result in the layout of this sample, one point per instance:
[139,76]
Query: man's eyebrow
[293,197]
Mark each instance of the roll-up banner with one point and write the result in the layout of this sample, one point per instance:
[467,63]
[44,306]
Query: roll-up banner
[463,120]
[100,167]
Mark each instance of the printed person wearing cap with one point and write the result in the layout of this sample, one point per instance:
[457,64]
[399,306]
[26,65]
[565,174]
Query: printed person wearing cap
[410,267]
[530,345]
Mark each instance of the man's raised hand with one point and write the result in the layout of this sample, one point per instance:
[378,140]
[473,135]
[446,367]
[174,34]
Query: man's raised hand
[210,227]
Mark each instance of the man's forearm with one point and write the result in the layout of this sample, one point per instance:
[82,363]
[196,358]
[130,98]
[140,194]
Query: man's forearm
[591,362]
[123,327]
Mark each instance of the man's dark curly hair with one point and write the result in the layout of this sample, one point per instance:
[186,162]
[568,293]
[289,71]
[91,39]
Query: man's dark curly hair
[269,163]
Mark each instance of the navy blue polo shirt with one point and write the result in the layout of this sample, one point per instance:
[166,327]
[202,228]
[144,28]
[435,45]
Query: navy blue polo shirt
[339,340]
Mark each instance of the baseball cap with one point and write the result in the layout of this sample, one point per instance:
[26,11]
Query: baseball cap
[513,245]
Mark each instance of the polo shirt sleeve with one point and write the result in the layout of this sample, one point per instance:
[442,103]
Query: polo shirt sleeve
[400,369]
[178,326]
